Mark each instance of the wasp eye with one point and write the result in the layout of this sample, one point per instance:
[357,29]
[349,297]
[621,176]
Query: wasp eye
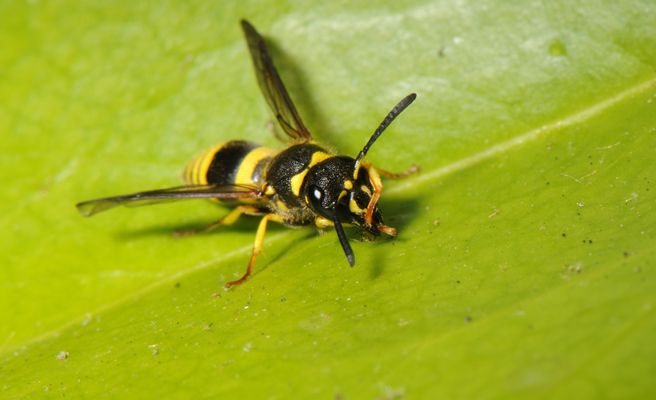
[317,197]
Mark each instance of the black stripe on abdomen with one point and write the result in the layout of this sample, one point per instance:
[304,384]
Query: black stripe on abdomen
[225,163]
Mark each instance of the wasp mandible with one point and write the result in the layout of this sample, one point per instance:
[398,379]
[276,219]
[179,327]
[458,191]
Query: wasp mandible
[302,184]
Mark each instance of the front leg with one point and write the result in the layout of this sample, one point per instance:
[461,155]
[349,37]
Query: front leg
[323,223]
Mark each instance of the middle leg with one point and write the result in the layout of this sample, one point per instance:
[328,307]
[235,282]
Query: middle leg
[228,219]
[257,248]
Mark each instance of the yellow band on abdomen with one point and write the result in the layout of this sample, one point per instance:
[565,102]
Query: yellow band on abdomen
[249,163]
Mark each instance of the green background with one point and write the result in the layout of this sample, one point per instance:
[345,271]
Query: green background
[524,265]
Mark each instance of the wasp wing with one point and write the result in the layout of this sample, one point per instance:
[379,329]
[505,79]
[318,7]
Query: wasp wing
[272,87]
[92,207]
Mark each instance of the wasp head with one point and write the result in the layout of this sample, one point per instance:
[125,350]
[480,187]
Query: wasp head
[344,190]
[338,189]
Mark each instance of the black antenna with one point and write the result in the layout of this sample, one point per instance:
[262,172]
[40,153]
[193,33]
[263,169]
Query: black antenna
[398,108]
[343,240]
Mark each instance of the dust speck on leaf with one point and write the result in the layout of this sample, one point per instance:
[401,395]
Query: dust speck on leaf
[154,349]
[86,320]
[631,198]
[391,393]
[576,268]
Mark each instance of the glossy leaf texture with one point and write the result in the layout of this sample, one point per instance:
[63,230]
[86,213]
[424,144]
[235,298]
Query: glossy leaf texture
[524,265]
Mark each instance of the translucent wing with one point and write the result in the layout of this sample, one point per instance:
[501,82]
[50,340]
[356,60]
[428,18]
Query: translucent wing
[272,87]
[91,207]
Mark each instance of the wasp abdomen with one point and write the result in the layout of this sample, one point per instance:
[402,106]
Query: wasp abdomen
[233,162]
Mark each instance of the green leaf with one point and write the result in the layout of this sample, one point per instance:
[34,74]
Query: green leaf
[524,263]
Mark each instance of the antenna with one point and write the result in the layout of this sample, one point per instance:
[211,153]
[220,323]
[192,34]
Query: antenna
[343,240]
[398,108]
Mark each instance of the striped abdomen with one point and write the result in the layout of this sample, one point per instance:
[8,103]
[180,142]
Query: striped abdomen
[234,162]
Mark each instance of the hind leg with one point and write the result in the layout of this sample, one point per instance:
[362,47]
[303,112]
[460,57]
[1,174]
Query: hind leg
[413,169]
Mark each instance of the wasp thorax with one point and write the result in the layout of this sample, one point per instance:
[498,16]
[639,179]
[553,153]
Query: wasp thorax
[323,185]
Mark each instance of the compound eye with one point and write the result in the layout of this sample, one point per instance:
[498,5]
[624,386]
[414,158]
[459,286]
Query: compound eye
[316,197]
[317,194]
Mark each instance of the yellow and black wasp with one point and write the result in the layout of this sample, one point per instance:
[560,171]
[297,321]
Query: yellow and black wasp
[300,185]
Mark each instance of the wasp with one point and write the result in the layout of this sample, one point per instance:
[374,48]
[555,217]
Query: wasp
[302,184]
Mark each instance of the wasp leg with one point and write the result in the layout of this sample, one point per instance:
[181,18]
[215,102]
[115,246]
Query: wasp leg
[377,183]
[322,223]
[413,169]
[257,248]
[227,219]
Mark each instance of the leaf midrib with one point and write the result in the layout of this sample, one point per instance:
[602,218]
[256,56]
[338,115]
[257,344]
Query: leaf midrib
[505,146]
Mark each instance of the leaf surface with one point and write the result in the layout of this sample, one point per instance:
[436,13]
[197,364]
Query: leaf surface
[524,264]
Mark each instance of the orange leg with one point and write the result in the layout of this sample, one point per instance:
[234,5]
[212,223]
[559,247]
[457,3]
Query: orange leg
[376,182]
[257,248]
[228,219]
[413,169]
